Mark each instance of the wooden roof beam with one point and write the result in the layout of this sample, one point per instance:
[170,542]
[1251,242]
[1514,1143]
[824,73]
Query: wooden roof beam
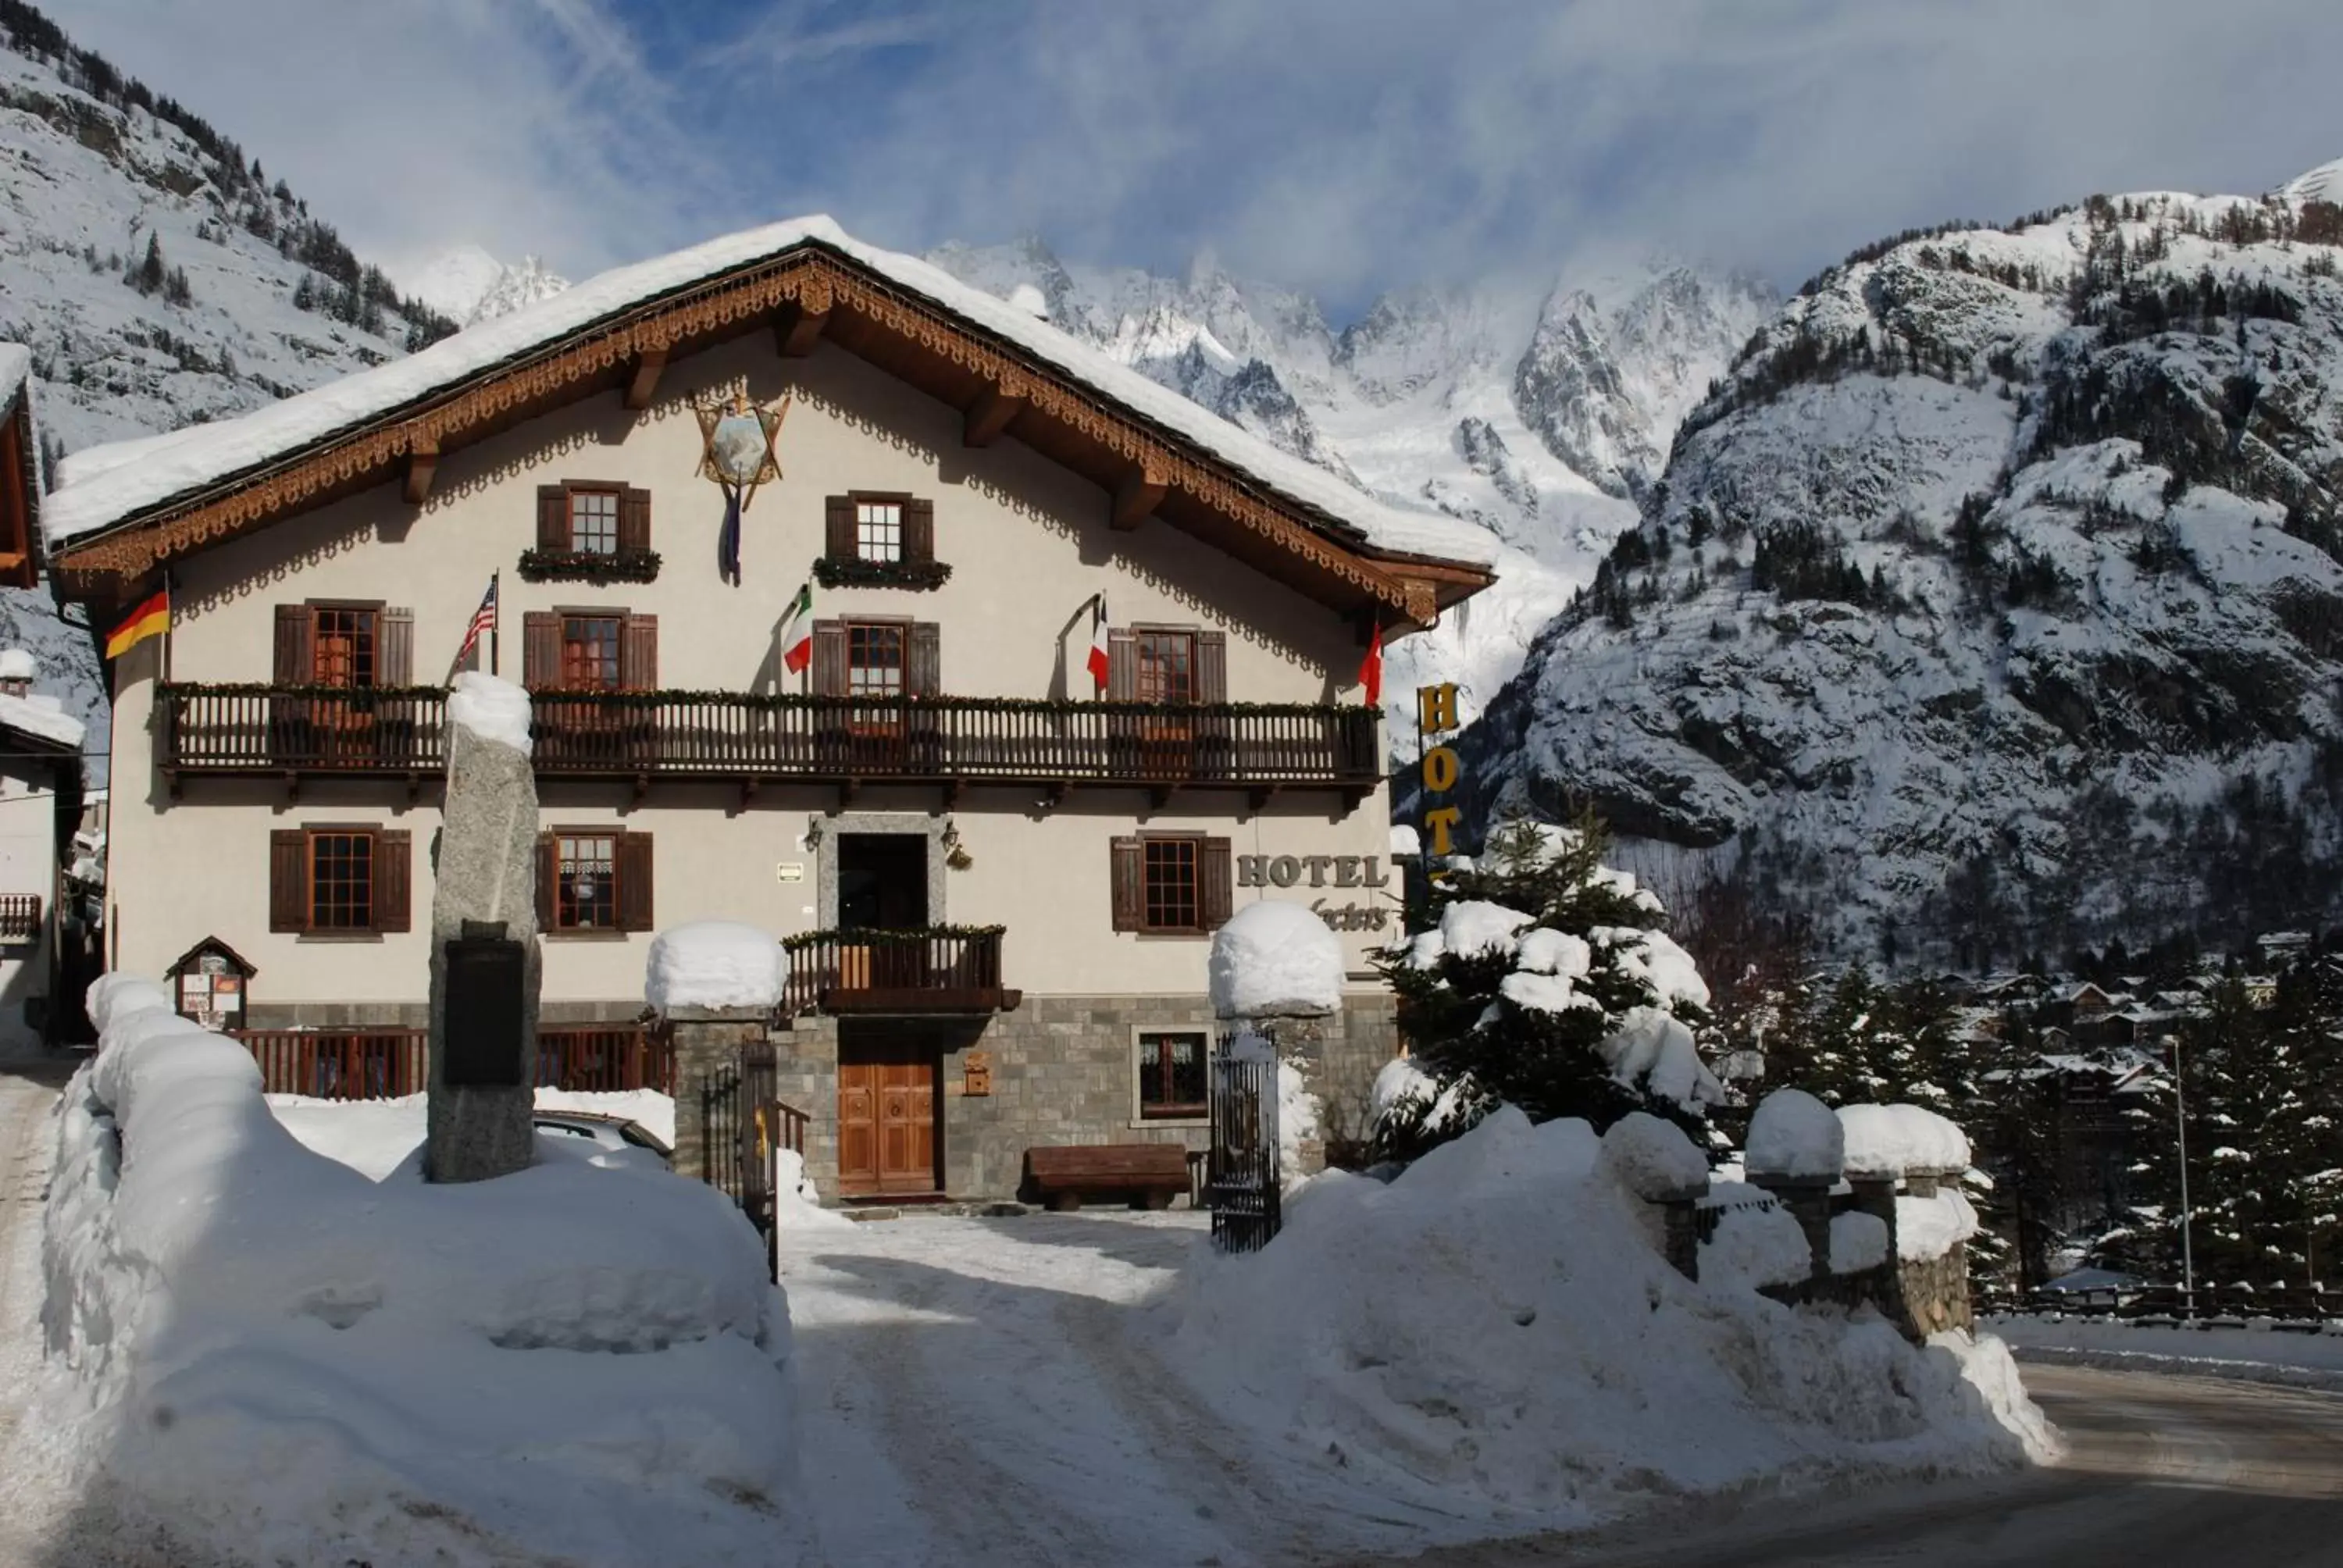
[422,465]
[990,416]
[643,384]
[1136,498]
[795,329]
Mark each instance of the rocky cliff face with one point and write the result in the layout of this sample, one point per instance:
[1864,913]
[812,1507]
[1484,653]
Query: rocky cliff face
[159,278]
[1994,602]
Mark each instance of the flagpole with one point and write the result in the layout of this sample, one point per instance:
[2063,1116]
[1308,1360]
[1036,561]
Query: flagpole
[496,590]
[169,617]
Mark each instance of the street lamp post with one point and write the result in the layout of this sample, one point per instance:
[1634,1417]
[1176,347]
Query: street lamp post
[2180,1126]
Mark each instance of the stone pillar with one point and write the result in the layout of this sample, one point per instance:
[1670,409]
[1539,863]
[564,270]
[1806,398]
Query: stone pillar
[1809,1203]
[1680,1232]
[486,877]
[706,1038]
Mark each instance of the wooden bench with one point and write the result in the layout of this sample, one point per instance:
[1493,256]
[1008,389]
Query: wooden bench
[1148,1175]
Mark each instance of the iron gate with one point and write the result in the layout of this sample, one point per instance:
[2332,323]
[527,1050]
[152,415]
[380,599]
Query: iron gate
[739,1108]
[1241,1165]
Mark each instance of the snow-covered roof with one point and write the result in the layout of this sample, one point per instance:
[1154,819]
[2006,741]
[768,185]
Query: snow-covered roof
[103,485]
[40,716]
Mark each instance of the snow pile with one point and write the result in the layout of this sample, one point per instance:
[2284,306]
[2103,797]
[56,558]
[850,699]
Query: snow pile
[493,710]
[1884,1141]
[1494,1333]
[1928,1228]
[714,964]
[1754,1245]
[798,1202]
[1272,960]
[1858,1241]
[376,1137]
[1300,1118]
[17,663]
[1795,1137]
[1652,1158]
[42,716]
[278,1359]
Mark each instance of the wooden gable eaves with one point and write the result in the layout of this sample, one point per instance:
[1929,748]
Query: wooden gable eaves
[1000,386]
[20,493]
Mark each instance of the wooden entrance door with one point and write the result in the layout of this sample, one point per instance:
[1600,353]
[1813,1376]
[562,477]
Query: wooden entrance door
[886,1103]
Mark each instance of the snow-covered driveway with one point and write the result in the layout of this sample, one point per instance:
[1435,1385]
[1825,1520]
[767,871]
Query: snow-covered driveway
[980,1391]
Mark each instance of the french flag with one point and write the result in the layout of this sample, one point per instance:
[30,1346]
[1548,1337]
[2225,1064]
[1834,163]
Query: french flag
[1098,665]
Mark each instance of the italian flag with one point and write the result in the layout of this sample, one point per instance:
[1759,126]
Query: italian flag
[1097,661]
[797,632]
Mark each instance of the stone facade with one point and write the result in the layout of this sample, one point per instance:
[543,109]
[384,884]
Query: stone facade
[1063,1071]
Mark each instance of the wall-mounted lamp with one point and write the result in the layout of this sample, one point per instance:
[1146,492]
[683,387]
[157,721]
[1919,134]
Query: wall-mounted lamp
[813,831]
[955,856]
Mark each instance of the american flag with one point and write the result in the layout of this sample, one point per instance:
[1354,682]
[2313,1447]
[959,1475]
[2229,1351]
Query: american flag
[483,619]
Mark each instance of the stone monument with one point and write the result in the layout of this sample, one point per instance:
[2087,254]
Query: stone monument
[483,950]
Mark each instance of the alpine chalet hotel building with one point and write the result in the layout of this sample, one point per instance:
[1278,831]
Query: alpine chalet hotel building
[997,884]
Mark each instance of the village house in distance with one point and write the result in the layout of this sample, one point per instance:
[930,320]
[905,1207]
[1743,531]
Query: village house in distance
[995,873]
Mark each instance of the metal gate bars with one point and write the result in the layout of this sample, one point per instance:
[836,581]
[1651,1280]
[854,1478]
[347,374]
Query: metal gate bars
[1241,1165]
[738,1106]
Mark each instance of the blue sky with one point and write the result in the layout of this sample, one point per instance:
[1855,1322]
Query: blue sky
[1341,146]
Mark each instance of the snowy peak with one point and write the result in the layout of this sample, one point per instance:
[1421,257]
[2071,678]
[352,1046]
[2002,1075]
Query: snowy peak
[469,285]
[2324,183]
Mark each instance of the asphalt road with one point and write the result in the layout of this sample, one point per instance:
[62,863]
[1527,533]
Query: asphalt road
[2159,1471]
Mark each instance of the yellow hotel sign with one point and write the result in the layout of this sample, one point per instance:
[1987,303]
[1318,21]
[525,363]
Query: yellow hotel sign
[1435,714]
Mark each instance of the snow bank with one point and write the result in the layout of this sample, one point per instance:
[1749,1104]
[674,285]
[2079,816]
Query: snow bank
[1272,959]
[491,708]
[281,1360]
[1795,1137]
[1858,1241]
[1494,1336]
[1652,1158]
[1928,1228]
[1885,1141]
[714,964]
[1754,1245]
[1300,1118]
[375,1137]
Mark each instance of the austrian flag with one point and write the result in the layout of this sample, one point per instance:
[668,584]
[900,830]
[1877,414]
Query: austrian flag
[1098,663]
[797,632]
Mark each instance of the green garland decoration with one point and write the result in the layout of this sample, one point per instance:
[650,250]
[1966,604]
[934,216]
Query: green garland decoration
[600,567]
[897,937]
[776,702]
[853,572]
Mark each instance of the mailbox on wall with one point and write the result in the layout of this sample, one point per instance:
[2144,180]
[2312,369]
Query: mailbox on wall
[487,981]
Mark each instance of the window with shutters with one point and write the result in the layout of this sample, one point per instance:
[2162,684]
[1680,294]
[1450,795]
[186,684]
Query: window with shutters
[875,658]
[1172,884]
[1167,665]
[591,531]
[340,880]
[593,879]
[590,651]
[342,647]
[1171,1082]
[878,539]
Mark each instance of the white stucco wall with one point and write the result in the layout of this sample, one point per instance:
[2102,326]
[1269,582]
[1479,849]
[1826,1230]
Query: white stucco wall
[1028,543]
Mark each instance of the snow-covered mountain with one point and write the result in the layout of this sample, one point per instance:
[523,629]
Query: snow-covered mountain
[469,285]
[1995,602]
[1534,412]
[159,278]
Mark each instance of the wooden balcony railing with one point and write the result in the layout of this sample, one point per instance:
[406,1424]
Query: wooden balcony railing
[383,1062]
[950,968]
[260,729]
[20,917]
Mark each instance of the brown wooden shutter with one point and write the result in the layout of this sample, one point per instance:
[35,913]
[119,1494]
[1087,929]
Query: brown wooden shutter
[1127,872]
[394,660]
[394,870]
[635,884]
[540,651]
[1211,666]
[294,667]
[548,870]
[830,659]
[288,879]
[639,653]
[925,678]
[837,528]
[919,530]
[635,520]
[1121,665]
[552,518]
[1214,895]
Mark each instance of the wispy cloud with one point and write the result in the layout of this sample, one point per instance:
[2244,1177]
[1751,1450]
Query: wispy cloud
[1340,146]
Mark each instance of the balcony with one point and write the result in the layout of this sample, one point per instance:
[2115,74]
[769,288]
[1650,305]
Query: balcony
[946,970]
[295,732]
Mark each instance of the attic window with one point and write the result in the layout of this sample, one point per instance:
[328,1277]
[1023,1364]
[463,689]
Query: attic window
[879,538]
[594,522]
[592,532]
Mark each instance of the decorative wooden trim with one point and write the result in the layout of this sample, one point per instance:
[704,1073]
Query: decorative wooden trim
[812,283]
[643,384]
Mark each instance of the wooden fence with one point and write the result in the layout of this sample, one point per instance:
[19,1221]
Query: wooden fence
[383,1063]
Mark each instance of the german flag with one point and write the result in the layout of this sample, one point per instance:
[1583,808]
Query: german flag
[150,618]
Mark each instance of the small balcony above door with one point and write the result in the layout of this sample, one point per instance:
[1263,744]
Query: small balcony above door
[938,969]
